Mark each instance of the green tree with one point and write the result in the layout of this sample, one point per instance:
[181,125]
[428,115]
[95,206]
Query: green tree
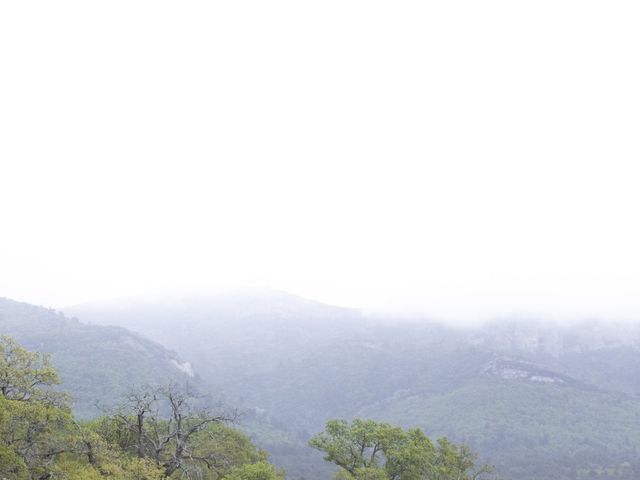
[33,417]
[161,433]
[368,450]
[12,467]
[27,376]
[255,471]
[40,439]
[182,438]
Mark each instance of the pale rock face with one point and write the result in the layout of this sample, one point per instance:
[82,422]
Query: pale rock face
[512,369]
[513,373]
[543,379]
[183,367]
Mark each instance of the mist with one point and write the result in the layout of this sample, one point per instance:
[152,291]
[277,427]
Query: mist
[310,240]
[411,159]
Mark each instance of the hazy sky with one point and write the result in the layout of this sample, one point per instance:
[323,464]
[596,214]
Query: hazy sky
[462,158]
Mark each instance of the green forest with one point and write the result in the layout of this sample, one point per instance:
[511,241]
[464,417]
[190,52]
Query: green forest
[167,433]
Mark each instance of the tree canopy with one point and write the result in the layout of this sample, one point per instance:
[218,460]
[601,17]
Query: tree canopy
[156,434]
[369,450]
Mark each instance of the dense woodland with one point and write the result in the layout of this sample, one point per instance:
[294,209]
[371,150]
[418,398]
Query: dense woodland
[162,433]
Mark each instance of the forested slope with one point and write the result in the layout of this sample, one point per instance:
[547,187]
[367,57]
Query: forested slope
[538,399]
[96,363]
[155,433]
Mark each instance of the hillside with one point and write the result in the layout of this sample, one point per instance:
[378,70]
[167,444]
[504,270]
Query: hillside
[539,400]
[96,363]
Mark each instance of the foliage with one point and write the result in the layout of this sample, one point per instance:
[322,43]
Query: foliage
[12,467]
[41,440]
[24,375]
[368,450]
[255,471]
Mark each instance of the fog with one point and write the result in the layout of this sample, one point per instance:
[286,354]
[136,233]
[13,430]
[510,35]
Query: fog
[463,159]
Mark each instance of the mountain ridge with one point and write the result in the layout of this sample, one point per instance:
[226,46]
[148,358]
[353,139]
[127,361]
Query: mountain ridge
[294,365]
[95,362]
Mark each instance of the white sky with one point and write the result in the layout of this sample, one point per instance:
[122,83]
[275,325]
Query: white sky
[461,158]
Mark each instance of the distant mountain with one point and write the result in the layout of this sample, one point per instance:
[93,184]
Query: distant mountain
[233,335]
[606,354]
[538,399]
[96,363]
